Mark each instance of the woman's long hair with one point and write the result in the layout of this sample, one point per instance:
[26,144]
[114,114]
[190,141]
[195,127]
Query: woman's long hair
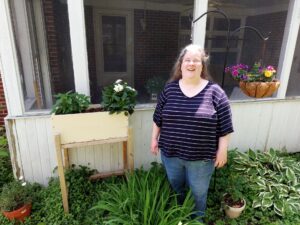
[176,73]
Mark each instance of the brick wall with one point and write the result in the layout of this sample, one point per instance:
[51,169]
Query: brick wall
[156,47]
[59,46]
[3,108]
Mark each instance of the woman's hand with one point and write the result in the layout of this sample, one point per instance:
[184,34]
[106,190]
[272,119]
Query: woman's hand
[221,158]
[154,146]
[154,139]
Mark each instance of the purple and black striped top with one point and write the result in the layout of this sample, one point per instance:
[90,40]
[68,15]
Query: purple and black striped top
[191,126]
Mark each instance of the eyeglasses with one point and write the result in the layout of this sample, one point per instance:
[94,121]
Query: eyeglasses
[195,61]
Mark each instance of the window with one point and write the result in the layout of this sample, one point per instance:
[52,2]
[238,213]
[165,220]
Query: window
[43,42]
[245,46]
[135,41]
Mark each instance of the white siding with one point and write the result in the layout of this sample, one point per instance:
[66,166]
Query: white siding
[257,124]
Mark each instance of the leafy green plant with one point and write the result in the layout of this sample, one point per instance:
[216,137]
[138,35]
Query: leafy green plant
[144,198]
[70,102]
[155,84]
[119,97]
[276,180]
[14,195]
[6,174]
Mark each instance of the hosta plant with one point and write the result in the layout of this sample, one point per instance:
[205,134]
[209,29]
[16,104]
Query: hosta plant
[275,179]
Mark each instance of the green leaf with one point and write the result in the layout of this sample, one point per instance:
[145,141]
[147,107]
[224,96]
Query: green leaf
[291,175]
[266,202]
[252,154]
[256,203]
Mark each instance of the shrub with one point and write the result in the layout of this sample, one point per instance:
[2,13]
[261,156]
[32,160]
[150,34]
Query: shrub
[14,195]
[6,174]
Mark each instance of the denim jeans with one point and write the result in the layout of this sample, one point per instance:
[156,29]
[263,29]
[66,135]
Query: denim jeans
[192,174]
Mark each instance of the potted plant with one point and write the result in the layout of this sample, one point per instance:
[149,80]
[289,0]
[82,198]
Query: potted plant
[154,86]
[15,200]
[234,202]
[78,121]
[256,82]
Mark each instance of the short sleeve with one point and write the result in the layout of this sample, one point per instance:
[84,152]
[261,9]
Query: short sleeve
[223,109]
[157,116]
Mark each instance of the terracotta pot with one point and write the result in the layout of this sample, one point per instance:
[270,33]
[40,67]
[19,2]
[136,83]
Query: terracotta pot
[259,89]
[233,212]
[18,214]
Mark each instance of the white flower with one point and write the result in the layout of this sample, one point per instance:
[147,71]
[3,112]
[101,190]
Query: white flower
[24,184]
[118,87]
[130,88]
[21,178]
[118,81]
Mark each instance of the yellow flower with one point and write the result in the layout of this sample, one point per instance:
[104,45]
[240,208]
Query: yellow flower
[268,73]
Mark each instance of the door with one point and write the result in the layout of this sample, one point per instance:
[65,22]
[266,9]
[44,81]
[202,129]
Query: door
[114,40]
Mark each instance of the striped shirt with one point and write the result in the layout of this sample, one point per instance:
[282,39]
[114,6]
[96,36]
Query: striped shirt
[191,126]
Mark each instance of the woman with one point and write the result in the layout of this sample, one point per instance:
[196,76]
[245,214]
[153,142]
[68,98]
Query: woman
[192,123]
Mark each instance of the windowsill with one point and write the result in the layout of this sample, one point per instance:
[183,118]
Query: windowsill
[151,106]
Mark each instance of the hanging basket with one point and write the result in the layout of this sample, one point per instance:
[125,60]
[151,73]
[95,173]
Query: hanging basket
[259,89]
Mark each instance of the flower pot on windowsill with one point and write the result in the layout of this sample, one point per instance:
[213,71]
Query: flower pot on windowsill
[259,89]
[18,214]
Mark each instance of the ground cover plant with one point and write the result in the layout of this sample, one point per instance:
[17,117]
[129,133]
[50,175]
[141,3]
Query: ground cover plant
[145,198]
[6,174]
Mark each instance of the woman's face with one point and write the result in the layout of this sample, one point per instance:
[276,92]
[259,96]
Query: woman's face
[191,66]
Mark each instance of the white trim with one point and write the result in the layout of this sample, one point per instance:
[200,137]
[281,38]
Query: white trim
[10,66]
[288,46]
[24,45]
[199,28]
[78,46]
[43,51]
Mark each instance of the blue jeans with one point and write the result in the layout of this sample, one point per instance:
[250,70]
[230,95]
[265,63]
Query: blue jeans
[192,174]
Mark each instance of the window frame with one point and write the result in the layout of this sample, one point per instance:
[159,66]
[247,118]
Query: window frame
[76,7]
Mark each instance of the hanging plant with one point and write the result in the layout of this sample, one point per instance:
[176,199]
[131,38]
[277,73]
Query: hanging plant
[256,82]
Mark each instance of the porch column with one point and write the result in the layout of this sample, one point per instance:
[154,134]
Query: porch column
[198,32]
[288,46]
[78,46]
[9,65]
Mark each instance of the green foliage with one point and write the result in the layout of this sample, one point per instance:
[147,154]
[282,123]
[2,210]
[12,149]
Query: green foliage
[119,97]
[14,195]
[141,195]
[143,198]
[70,102]
[6,174]
[276,180]
[155,84]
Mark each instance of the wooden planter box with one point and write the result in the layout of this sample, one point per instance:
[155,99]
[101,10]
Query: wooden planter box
[87,127]
[75,130]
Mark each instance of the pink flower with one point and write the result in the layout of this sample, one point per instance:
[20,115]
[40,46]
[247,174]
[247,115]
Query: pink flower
[235,73]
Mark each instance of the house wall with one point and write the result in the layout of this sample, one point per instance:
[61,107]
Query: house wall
[258,125]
